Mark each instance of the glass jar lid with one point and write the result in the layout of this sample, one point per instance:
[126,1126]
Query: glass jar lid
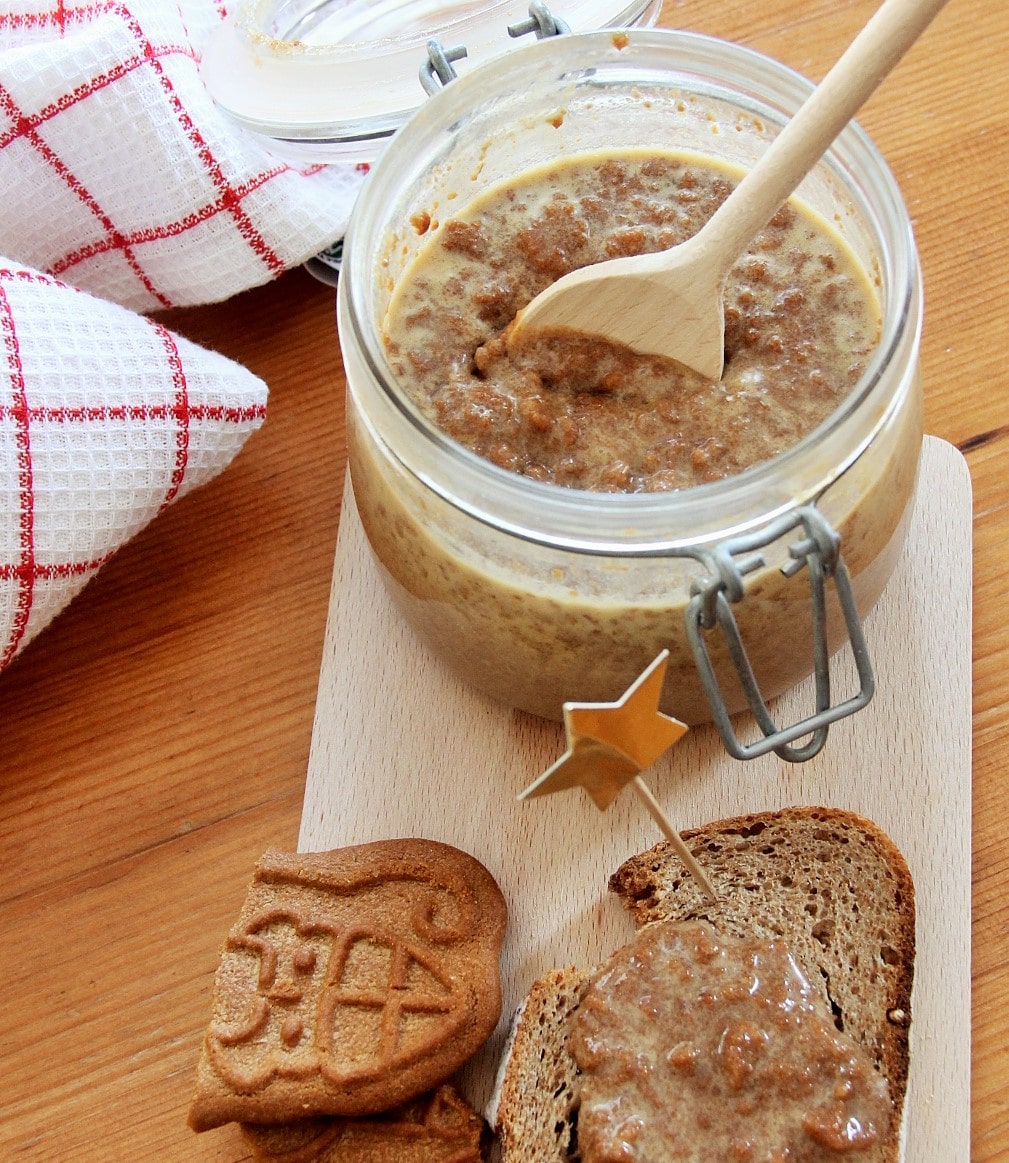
[331,79]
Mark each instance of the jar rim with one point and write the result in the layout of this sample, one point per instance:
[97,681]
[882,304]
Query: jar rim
[521,505]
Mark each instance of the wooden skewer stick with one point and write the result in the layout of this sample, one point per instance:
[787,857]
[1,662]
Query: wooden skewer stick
[666,828]
[611,744]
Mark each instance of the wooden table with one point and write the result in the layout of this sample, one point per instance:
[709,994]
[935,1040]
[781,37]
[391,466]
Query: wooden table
[154,740]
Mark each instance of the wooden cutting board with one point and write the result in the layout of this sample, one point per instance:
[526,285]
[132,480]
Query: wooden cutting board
[402,748]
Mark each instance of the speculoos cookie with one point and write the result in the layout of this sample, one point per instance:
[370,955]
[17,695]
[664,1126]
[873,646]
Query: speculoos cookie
[438,1127]
[352,982]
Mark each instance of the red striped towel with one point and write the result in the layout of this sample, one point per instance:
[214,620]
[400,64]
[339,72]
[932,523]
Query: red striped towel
[106,417]
[122,186]
[119,174]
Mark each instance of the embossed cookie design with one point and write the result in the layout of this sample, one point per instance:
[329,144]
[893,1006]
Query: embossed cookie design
[353,981]
[436,1128]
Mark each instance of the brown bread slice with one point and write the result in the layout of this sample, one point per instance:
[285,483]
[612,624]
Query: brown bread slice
[534,1110]
[829,883]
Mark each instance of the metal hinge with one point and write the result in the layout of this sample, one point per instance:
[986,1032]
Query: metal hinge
[710,606]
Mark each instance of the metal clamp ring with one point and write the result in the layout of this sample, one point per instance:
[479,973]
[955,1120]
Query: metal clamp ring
[437,70]
[541,21]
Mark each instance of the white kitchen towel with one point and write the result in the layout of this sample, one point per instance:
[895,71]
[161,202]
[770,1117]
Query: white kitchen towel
[120,175]
[106,417]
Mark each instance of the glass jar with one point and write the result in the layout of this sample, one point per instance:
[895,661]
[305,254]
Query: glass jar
[538,594]
[332,80]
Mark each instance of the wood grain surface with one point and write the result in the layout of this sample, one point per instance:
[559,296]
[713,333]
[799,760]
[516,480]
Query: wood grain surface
[155,739]
[438,760]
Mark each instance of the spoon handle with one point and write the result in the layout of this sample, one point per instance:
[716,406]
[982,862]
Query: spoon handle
[806,137]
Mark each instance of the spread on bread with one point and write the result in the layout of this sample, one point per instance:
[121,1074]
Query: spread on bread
[768,1027]
[353,981]
[685,1036]
[601,1060]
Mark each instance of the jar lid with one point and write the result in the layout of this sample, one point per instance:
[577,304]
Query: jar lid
[331,79]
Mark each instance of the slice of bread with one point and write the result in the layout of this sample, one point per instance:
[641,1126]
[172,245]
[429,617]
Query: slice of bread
[830,884]
[535,1105]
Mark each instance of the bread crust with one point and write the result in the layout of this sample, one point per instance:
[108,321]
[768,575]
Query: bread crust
[538,1095]
[827,882]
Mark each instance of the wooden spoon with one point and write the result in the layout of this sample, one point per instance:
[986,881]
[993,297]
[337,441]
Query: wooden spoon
[670,302]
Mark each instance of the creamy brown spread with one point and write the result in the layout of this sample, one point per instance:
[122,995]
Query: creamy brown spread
[801,320]
[694,1046]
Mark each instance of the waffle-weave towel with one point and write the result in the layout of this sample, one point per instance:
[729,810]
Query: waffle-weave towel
[120,175]
[106,417]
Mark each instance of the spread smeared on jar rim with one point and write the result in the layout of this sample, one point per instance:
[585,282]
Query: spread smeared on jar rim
[696,1046]
[801,322]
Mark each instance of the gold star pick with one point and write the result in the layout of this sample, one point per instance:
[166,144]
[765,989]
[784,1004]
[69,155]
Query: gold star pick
[610,744]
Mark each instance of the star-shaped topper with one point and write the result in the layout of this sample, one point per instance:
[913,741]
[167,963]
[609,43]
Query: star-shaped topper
[610,744]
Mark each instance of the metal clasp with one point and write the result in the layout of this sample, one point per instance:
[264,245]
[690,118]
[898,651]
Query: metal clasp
[541,21]
[710,607]
[437,70]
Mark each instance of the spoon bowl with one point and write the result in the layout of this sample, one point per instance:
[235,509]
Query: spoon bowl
[670,303]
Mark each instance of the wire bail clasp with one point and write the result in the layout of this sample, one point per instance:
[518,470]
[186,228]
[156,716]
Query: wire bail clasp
[710,606]
[541,21]
[437,70]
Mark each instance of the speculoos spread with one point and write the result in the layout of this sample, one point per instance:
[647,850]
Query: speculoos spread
[801,321]
[694,1046]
